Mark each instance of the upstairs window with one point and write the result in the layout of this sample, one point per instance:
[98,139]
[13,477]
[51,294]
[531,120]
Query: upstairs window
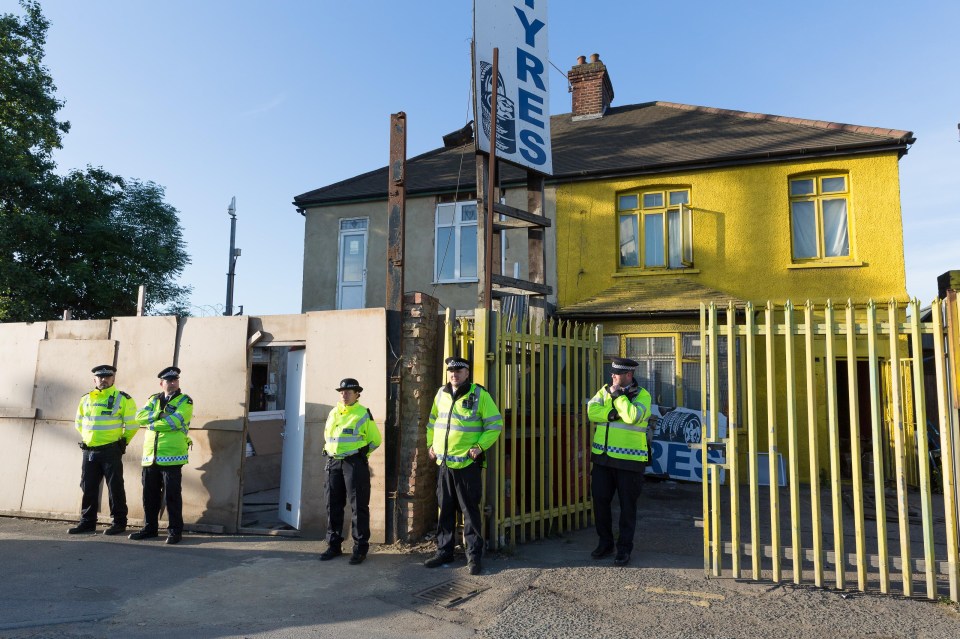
[655,229]
[455,254]
[819,222]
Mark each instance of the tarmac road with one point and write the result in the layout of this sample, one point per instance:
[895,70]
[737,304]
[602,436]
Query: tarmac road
[69,587]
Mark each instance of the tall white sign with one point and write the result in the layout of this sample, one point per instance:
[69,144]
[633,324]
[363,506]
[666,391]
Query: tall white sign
[518,29]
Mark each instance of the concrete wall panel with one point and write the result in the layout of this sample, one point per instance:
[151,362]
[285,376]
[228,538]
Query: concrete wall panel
[53,473]
[17,435]
[343,344]
[213,358]
[19,344]
[79,329]
[145,346]
[63,374]
[211,481]
[279,328]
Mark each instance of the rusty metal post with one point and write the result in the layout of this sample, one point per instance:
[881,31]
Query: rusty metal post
[396,215]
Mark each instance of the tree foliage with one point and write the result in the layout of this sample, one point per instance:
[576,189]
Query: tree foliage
[84,241]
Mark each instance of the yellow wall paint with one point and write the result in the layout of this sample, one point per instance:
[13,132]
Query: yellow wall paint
[741,233]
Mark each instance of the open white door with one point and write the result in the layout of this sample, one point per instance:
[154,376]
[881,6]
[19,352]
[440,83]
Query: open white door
[291,463]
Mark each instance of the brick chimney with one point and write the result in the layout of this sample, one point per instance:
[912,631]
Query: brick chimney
[591,88]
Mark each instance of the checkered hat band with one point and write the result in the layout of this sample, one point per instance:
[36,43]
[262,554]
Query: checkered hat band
[457,365]
[621,367]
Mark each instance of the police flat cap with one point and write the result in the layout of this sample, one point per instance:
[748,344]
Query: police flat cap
[349,383]
[454,363]
[104,370]
[170,372]
[623,364]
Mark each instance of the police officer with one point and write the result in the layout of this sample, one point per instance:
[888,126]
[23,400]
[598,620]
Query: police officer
[106,422]
[351,436]
[166,416]
[619,453]
[464,423]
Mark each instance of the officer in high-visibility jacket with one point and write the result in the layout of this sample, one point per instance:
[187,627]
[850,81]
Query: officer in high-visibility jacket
[464,423]
[620,452]
[350,435]
[106,423]
[166,416]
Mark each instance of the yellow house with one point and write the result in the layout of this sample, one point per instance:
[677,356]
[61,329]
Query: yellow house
[695,204]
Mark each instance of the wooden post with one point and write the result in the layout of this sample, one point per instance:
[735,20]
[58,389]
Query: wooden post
[491,186]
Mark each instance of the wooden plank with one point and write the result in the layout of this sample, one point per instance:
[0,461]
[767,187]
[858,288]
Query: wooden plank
[518,287]
[517,214]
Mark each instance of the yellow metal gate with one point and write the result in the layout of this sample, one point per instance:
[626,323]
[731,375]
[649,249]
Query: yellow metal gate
[833,470]
[541,376]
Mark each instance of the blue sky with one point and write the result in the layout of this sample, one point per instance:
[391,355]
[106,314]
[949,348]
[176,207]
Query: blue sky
[267,100]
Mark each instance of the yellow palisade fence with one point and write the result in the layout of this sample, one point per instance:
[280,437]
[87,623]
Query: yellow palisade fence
[843,391]
[541,375]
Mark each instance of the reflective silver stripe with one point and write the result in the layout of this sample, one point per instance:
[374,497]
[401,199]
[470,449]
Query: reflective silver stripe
[495,427]
[452,458]
[630,427]
[349,453]
[361,423]
[372,447]
[495,418]
[101,418]
[466,429]
[443,415]
[112,427]
[342,438]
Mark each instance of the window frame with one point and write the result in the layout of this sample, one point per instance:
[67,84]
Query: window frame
[818,197]
[458,225]
[639,216]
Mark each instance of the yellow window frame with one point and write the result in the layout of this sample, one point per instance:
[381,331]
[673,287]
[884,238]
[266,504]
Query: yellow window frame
[641,211]
[677,373]
[818,196]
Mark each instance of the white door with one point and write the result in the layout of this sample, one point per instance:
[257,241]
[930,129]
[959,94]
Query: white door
[291,460]
[352,264]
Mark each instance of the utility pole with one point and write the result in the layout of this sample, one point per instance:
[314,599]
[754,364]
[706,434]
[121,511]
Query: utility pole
[234,254]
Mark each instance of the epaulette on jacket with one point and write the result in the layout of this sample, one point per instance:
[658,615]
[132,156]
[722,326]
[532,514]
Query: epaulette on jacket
[125,394]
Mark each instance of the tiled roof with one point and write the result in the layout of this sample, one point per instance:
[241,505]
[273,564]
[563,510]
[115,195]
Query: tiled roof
[634,140]
[660,294]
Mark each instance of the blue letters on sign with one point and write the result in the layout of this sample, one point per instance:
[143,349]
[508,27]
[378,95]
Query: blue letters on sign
[526,61]
[533,142]
[679,461]
[527,107]
[529,30]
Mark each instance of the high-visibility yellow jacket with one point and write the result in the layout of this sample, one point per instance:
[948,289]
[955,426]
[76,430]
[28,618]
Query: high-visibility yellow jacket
[106,416]
[621,420]
[348,429]
[458,423]
[166,442]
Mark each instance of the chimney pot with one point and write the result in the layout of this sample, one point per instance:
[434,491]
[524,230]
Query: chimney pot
[591,88]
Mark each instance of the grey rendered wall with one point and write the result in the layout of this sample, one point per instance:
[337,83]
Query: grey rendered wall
[320,252]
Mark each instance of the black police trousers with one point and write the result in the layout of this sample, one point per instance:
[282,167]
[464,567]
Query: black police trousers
[104,463]
[162,483]
[350,475]
[463,487]
[627,484]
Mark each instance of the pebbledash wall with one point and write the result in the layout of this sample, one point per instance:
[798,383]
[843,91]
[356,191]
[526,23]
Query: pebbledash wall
[46,369]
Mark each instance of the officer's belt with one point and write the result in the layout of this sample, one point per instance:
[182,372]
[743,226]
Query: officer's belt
[343,455]
[111,444]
